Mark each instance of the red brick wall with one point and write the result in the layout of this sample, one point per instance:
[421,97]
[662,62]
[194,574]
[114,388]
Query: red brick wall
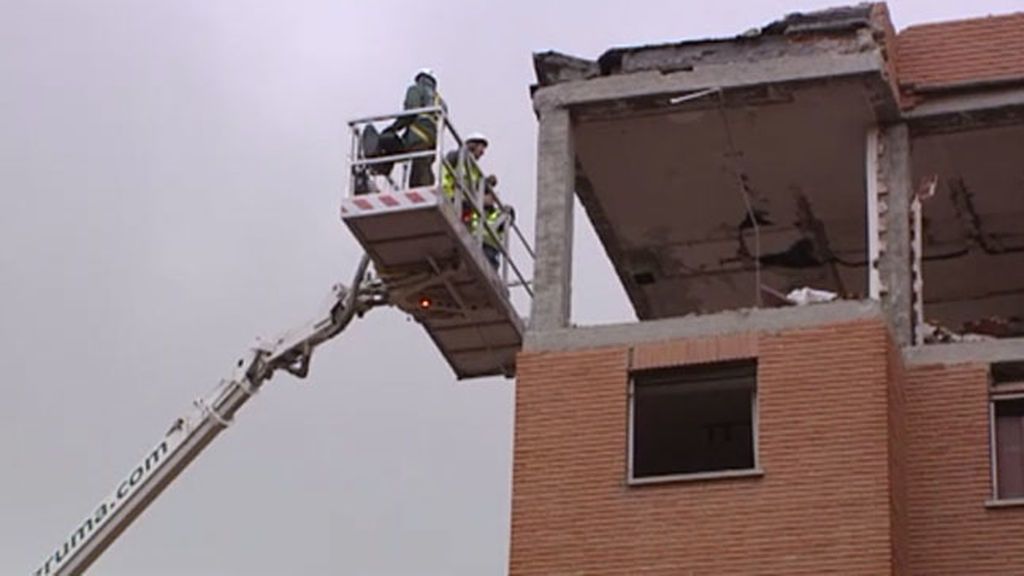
[949,479]
[897,459]
[823,504]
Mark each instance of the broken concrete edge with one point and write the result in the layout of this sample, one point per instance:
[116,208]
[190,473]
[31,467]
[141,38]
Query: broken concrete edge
[759,320]
[832,25]
[961,111]
[554,68]
[969,102]
[767,321]
[886,38]
[719,76]
[987,352]
[801,38]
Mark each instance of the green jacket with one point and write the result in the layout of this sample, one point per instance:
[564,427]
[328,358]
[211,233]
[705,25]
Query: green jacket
[422,128]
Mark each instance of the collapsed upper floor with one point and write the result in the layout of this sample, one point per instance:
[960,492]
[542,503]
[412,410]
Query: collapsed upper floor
[823,156]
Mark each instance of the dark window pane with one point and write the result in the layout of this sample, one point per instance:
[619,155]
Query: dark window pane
[693,419]
[1007,372]
[1010,448]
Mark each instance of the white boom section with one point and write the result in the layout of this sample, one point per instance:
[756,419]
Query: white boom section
[190,434]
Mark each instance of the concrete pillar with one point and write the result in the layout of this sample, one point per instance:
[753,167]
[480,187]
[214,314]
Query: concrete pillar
[895,191]
[556,173]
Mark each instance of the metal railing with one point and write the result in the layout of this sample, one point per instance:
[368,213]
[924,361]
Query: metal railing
[370,174]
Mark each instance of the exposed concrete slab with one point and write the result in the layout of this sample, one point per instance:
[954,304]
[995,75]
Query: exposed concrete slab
[668,193]
[603,228]
[894,178]
[725,76]
[960,112]
[732,322]
[960,103]
[556,170]
[1011,349]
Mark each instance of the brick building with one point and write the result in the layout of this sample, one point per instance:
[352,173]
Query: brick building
[819,226]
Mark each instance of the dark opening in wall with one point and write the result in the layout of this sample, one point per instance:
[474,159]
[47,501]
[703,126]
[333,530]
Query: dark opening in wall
[694,419]
[1007,372]
[972,253]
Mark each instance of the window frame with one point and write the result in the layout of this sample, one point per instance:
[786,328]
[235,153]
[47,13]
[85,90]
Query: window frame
[755,471]
[1008,393]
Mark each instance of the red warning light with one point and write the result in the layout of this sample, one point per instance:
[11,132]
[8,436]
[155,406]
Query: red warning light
[425,303]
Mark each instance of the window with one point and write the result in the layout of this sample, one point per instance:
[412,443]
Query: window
[1007,412]
[1009,441]
[693,420]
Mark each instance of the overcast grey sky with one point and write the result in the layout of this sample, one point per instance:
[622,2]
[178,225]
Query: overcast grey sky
[169,181]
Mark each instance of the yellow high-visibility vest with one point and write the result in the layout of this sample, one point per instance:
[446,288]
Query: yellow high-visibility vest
[448,179]
[493,215]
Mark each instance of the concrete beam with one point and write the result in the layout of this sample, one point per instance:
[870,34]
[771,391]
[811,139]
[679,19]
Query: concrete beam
[960,112]
[894,265]
[731,75]
[966,103]
[556,174]
[1008,350]
[765,320]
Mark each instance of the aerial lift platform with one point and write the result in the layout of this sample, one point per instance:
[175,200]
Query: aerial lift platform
[432,263]
[427,259]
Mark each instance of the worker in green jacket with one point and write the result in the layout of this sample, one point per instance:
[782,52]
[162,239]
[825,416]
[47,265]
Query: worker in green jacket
[420,129]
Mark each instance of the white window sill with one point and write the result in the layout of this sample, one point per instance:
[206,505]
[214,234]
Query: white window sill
[1004,503]
[697,477]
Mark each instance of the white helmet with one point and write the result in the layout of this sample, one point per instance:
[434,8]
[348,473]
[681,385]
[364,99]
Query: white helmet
[477,137]
[425,72]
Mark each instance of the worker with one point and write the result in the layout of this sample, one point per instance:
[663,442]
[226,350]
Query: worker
[475,145]
[497,218]
[420,129]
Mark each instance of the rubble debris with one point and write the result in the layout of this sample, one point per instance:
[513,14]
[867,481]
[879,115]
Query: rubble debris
[933,333]
[996,327]
[807,295]
[981,330]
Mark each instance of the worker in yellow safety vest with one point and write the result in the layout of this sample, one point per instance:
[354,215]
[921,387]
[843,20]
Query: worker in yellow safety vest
[420,129]
[497,218]
[475,145]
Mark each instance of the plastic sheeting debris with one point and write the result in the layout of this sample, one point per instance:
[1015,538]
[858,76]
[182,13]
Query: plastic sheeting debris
[805,295]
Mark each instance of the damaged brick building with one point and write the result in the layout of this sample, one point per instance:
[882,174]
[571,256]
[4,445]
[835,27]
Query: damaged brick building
[819,226]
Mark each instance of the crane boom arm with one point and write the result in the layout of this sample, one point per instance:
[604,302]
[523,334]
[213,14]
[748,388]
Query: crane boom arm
[210,415]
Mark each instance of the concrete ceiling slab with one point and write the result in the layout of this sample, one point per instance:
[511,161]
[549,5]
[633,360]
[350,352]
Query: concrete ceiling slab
[668,192]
